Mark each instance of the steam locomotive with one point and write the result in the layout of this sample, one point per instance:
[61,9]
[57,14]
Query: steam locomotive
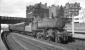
[51,29]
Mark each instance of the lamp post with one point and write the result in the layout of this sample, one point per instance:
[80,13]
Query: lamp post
[72,25]
[72,16]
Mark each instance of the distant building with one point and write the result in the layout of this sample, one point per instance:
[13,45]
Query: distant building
[81,17]
[29,11]
[71,9]
[53,11]
[37,10]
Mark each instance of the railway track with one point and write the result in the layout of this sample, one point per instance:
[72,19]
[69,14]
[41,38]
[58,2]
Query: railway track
[72,46]
[76,45]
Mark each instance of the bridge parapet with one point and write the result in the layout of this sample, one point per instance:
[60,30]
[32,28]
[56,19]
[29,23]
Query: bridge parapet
[11,20]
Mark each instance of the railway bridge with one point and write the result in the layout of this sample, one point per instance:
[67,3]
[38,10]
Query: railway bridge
[12,20]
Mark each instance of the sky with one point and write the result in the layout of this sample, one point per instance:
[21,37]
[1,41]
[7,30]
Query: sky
[17,8]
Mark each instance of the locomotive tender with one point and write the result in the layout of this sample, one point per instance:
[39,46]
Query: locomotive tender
[46,28]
